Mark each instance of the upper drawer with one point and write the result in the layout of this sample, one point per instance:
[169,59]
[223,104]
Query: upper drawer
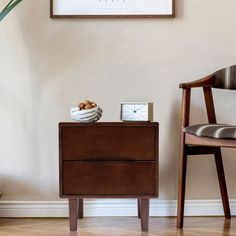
[108,142]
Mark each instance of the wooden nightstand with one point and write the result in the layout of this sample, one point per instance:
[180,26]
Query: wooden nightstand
[108,160]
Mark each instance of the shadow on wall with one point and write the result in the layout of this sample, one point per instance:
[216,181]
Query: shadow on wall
[179,9]
[12,187]
[51,51]
[172,142]
[52,43]
[51,47]
[171,149]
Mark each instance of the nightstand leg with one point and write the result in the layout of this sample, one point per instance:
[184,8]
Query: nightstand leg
[80,208]
[73,213]
[138,203]
[144,212]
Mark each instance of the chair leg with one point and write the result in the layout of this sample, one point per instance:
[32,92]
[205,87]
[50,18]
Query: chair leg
[182,185]
[222,183]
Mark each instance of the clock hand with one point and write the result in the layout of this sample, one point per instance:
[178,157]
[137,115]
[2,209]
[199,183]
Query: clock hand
[139,108]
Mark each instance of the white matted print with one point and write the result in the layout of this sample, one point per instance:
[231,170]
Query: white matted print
[112,8]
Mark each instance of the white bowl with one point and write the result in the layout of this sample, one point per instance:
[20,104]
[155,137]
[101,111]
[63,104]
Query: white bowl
[86,116]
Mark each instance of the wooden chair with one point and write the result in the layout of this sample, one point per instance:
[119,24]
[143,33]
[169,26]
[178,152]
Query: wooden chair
[205,138]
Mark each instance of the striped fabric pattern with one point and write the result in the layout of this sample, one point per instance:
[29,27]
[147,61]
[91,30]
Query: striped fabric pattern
[218,131]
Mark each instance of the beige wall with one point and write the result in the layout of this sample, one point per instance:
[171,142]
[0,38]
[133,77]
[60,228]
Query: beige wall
[48,65]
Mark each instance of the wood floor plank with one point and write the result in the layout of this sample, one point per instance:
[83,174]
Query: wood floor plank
[118,226]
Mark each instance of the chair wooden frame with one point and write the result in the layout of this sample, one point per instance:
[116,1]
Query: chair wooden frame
[194,145]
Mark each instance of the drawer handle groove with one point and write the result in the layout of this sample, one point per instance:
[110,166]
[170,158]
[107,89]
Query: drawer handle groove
[108,158]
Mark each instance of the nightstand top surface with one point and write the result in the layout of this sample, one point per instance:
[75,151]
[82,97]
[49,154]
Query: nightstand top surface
[127,123]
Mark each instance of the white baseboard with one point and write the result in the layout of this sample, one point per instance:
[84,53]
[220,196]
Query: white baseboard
[110,207]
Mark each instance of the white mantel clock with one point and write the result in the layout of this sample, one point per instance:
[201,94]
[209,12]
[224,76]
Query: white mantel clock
[136,111]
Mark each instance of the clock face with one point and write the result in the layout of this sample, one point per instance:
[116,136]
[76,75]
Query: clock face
[134,112]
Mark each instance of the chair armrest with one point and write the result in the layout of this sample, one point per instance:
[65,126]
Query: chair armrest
[204,82]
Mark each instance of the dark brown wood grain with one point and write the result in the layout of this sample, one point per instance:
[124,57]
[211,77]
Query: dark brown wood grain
[207,81]
[80,208]
[51,9]
[138,205]
[102,143]
[209,105]
[108,160]
[200,150]
[144,213]
[109,178]
[73,213]
[222,183]
[183,156]
[210,142]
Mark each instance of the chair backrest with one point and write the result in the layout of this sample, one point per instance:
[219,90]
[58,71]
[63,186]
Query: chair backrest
[225,78]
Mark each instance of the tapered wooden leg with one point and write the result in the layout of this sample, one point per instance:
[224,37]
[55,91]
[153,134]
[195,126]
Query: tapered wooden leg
[144,213]
[182,185]
[80,208]
[138,203]
[73,213]
[222,183]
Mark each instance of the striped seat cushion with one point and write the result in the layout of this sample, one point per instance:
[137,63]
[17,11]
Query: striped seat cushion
[212,131]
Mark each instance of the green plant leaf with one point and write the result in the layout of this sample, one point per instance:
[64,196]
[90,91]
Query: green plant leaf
[8,8]
[5,9]
[8,5]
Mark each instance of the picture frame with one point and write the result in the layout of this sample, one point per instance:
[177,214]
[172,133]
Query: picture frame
[112,8]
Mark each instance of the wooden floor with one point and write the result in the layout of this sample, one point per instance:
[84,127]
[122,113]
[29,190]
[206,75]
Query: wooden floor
[194,226]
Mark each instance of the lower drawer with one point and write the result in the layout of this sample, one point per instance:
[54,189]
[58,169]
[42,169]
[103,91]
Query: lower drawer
[109,178]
